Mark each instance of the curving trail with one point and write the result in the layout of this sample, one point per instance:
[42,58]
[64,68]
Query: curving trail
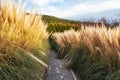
[57,69]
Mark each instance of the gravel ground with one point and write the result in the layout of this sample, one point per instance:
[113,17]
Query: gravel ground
[57,69]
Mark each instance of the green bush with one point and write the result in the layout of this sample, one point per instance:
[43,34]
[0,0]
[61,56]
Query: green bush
[61,27]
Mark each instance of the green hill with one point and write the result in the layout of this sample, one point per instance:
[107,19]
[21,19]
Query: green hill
[52,19]
[58,24]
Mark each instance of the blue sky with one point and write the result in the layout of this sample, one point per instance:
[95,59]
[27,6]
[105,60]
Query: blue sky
[71,8]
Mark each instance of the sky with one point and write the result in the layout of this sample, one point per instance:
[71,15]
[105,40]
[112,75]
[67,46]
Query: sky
[71,8]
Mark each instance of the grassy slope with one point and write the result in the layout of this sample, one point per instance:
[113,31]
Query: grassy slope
[52,19]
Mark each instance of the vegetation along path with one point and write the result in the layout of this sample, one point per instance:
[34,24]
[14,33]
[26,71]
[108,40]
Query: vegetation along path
[57,69]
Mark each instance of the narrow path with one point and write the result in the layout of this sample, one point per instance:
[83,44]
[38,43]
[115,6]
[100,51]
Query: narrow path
[57,69]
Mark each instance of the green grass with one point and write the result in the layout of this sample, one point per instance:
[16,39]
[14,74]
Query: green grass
[20,66]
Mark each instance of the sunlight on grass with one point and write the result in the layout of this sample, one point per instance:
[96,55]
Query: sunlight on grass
[91,50]
[18,33]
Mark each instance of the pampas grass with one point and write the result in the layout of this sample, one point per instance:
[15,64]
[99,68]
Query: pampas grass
[95,46]
[19,33]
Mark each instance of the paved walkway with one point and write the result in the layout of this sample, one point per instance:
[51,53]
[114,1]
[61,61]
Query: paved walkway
[57,70]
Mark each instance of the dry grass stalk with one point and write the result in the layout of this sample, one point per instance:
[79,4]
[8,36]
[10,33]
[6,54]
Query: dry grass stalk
[107,41]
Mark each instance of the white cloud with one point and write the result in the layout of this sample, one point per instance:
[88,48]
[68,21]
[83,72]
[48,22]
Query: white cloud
[88,7]
[45,2]
[77,9]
